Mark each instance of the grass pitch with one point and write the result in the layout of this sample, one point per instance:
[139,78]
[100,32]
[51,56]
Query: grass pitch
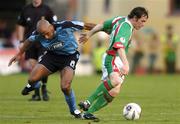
[158,96]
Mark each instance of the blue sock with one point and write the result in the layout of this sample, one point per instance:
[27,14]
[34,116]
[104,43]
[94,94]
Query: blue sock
[71,101]
[37,85]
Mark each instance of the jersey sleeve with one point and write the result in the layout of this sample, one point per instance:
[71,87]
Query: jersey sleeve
[75,25]
[21,19]
[33,37]
[107,25]
[122,35]
[51,17]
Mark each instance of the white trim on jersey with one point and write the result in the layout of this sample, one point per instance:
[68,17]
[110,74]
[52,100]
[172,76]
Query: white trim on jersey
[78,23]
[126,20]
[117,18]
[55,18]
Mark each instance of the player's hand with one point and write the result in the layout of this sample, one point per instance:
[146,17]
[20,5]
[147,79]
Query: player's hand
[83,38]
[124,70]
[20,45]
[14,59]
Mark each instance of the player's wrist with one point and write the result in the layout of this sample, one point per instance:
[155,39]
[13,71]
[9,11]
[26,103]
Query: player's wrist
[89,34]
[125,69]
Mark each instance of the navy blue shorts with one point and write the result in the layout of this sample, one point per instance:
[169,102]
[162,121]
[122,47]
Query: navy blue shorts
[54,62]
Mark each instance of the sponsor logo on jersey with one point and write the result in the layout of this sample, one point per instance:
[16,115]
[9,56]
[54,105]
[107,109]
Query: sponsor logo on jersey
[119,45]
[28,19]
[56,45]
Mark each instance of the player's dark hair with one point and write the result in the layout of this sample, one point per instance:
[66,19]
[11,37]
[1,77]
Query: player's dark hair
[138,12]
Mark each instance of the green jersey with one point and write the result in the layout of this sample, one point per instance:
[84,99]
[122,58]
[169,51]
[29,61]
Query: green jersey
[120,30]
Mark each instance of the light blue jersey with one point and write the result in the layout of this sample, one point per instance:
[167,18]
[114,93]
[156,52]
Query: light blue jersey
[64,41]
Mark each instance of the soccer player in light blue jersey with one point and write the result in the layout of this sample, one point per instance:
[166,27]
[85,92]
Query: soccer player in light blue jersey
[61,55]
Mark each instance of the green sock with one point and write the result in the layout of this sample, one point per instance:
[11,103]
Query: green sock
[101,102]
[104,87]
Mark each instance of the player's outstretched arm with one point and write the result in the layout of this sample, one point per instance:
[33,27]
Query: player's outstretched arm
[85,36]
[17,57]
[89,26]
[97,28]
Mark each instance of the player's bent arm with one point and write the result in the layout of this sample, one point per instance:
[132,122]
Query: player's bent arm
[97,28]
[122,55]
[20,32]
[17,57]
[85,36]
[25,45]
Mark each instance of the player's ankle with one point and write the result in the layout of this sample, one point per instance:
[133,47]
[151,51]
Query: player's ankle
[87,102]
[27,89]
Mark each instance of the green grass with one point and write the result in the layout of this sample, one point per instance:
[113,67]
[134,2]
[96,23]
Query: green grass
[158,95]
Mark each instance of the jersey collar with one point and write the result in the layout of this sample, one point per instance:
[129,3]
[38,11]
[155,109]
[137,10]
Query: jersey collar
[127,20]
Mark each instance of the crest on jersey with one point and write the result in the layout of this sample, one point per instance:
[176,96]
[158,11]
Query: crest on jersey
[122,39]
[28,19]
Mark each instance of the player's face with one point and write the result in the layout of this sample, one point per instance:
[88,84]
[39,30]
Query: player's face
[139,23]
[48,33]
[36,3]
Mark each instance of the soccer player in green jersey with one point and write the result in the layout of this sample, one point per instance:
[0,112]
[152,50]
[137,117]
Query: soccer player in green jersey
[115,63]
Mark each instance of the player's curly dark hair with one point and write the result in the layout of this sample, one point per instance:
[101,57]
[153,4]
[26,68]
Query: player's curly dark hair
[138,12]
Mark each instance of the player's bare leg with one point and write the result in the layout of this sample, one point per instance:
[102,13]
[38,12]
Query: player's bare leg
[36,95]
[67,75]
[36,74]
[103,95]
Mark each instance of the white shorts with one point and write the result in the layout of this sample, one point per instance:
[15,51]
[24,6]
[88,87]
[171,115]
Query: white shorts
[117,66]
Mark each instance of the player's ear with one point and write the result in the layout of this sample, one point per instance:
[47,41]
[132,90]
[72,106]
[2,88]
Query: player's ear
[51,27]
[135,18]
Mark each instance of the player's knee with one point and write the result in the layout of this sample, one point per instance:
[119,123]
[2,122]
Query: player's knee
[115,91]
[66,88]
